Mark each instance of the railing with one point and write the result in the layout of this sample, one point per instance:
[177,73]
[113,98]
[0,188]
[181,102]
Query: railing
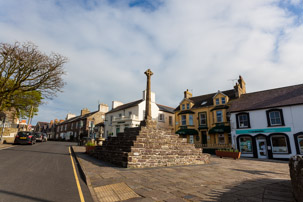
[213,145]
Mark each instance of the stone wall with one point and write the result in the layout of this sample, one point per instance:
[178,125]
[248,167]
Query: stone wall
[149,147]
[9,134]
[296,174]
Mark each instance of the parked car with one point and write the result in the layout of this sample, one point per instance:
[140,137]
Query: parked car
[39,136]
[25,137]
[44,137]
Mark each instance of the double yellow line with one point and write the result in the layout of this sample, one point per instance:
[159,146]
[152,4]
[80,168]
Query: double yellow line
[76,176]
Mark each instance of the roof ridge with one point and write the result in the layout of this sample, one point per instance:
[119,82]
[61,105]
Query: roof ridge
[210,93]
[273,89]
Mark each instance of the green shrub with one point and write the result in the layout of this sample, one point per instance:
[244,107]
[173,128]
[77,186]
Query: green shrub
[90,144]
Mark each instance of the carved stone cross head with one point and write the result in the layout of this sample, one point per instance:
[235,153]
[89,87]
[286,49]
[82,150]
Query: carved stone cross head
[148,73]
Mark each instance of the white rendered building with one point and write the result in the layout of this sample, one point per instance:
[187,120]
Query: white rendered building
[131,114]
[269,124]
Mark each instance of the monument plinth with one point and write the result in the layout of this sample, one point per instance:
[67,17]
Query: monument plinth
[149,146]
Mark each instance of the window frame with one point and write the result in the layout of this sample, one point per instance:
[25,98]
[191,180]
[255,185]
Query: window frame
[161,119]
[251,144]
[200,119]
[223,98]
[183,106]
[182,123]
[170,120]
[269,120]
[217,116]
[286,142]
[238,120]
[190,120]
[187,106]
[217,101]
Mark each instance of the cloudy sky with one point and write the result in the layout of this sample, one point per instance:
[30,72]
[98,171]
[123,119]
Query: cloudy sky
[199,45]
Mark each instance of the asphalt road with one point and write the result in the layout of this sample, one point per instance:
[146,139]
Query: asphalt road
[42,172]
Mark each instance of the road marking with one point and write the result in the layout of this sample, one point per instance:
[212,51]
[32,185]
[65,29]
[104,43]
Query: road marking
[76,176]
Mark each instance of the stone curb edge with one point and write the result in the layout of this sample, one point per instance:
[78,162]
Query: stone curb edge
[87,180]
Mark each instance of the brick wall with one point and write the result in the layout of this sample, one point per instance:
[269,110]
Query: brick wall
[296,174]
[149,147]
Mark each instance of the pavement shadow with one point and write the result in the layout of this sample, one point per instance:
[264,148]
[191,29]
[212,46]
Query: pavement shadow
[262,190]
[256,172]
[14,194]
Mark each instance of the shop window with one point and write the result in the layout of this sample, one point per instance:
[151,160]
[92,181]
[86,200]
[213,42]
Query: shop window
[279,144]
[300,143]
[243,120]
[246,145]
[202,119]
[219,117]
[191,120]
[275,117]
[183,120]
[221,139]
[223,101]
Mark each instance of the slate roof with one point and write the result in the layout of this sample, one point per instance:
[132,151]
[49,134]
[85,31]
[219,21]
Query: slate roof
[127,105]
[135,103]
[78,118]
[208,99]
[165,108]
[285,96]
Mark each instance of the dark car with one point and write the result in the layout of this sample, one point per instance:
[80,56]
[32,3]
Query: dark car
[25,137]
[39,136]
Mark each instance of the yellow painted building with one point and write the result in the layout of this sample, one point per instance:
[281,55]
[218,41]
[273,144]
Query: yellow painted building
[204,119]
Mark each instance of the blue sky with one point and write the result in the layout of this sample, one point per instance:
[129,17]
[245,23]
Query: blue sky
[198,45]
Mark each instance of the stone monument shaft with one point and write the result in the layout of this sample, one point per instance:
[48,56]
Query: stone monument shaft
[148,116]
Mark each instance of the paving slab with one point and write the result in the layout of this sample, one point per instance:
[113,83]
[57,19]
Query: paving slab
[222,180]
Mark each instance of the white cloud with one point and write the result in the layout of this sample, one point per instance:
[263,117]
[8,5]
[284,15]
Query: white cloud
[199,45]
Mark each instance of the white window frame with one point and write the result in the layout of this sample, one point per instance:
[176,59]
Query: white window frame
[270,120]
[239,121]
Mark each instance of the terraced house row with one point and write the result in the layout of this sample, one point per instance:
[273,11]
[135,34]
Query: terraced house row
[265,124]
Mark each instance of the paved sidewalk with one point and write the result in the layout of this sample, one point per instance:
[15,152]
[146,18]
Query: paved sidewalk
[221,180]
[5,146]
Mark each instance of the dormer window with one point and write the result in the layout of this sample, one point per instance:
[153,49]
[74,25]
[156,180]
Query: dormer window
[275,117]
[183,106]
[217,101]
[223,101]
[187,106]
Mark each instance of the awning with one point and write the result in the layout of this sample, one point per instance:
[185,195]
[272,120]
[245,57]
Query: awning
[186,112]
[202,127]
[219,129]
[187,132]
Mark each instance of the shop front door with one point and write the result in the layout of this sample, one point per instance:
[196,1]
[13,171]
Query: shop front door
[262,148]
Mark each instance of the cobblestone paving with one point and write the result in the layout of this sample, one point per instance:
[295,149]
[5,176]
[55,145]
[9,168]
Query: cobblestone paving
[221,180]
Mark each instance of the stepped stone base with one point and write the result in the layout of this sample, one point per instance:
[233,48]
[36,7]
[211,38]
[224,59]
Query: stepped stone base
[149,147]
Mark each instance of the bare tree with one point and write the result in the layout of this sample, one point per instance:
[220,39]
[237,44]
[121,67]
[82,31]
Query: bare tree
[24,68]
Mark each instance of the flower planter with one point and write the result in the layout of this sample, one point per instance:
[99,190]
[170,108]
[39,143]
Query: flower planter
[230,154]
[89,149]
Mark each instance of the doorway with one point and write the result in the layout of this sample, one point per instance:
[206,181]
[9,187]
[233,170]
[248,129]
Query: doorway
[262,148]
